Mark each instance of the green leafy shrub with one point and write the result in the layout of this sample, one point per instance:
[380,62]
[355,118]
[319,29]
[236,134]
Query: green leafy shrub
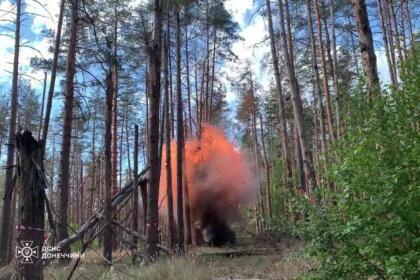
[370,229]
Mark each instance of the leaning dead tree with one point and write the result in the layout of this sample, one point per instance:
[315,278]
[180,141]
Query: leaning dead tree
[118,198]
[31,188]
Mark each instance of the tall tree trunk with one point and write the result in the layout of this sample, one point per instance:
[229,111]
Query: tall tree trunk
[410,29]
[255,143]
[390,31]
[94,162]
[324,73]
[289,34]
[143,191]
[127,140]
[108,233]
[282,118]
[188,235]
[44,88]
[267,171]
[197,100]
[67,126]
[318,94]
[180,137]
[53,76]
[212,75]
[155,53]
[335,72]
[82,190]
[115,107]
[353,45]
[206,96]
[397,32]
[114,132]
[297,103]
[147,112]
[188,79]
[366,45]
[135,215]
[299,164]
[171,94]
[403,28]
[392,74]
[7,223]
[168,163]
[200,101]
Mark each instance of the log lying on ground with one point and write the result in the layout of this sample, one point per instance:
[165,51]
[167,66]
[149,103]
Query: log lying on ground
[236,252]
[116,200]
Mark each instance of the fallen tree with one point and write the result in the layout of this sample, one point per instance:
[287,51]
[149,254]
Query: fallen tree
[99,215]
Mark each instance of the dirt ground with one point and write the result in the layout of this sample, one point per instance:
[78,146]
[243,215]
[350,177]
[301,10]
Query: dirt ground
[250,258]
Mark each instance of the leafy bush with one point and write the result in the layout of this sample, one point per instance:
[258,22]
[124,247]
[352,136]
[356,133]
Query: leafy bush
[370,229]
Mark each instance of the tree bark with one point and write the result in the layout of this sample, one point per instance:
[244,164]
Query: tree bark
[410,29]
[267,171]
[335,72]
[67,126]
[297,103]
[32,185]
[44,88]
[213,64]
[390,32]
[168,159]
[324,73]
[114,131]
[392,74]
[94,162]
[7,222]
[255,143]
[366,45]
[180,137]
[397,32]
[135,217]
[187,207]
[108,233]
[353,45]
[315,81]
[114,124]
[154,53]
[282,118]
[188,80]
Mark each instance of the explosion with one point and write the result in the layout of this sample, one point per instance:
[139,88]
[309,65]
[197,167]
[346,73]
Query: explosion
[219,179]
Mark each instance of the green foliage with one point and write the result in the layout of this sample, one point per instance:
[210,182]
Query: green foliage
[370,229]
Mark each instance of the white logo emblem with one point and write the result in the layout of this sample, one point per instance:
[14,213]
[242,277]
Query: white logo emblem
[27,252]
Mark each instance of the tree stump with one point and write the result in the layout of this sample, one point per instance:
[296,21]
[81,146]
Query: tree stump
[31,190]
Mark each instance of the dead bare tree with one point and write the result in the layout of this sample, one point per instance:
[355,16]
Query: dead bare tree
[32,184]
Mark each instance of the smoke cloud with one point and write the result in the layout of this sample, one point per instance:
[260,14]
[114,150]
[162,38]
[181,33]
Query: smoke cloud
[219,179]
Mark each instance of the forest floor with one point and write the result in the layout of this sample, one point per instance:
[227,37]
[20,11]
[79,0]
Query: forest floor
[252,257]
